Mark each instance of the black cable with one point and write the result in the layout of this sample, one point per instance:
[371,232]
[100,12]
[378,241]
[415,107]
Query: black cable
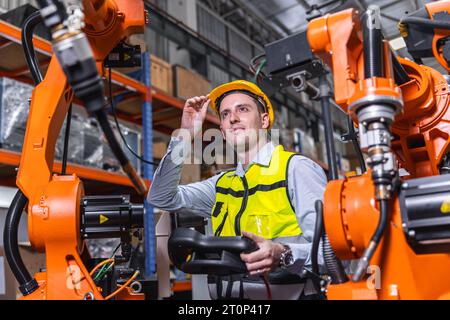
[111,101]
[56,17]
[318,231]
[254,66]
[435,24]
[384,208]
[359,154]
[28,27]
[332,263]
[374,241]
[27,43]
[400,74]
[324,90]
[111,138]
[254,59]
[44,3]
[27,284]
[66,141]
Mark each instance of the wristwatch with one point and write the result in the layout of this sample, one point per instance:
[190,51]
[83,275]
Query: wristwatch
[286,258]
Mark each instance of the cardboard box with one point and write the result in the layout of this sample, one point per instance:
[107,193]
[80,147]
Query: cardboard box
[159,149]
[161,74]
[189,84]
[9,289]
[190,173]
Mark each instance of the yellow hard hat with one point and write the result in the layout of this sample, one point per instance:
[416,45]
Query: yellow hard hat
[243,86]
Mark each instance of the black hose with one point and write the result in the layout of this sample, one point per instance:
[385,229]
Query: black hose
[324,90]
[113,143]
[53,18]
[334,266]
[113,109]
[66,141]
[27,284]
[318,231]
[356,147]
[435,24]
[400,74]
[373,45]
[44,3]
[384,208]
[374,241]
[28,27]
[111,138]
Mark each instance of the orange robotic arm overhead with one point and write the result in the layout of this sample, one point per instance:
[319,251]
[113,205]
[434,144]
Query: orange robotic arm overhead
[110,21]
[337,40]
[425,32]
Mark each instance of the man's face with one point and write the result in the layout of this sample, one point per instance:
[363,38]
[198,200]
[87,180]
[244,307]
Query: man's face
[241,120]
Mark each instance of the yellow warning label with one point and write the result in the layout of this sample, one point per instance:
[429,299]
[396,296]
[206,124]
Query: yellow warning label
[126,57]
[103,219]
[445,207]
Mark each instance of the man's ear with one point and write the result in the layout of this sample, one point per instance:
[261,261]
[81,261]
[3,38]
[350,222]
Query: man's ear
[265,121]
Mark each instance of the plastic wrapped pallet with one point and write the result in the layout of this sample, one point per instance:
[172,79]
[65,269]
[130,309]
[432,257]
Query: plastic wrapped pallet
[97,152]
[93,146]
[132,137]
[102,248]
[14,107]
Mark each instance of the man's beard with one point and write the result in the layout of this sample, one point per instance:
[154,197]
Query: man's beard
[248,140]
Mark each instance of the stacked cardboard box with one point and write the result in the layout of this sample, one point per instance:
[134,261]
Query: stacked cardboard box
[189,84]
[162,75]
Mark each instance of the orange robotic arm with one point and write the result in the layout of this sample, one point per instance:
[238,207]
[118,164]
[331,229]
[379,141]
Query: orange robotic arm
[54,213]
[363,215]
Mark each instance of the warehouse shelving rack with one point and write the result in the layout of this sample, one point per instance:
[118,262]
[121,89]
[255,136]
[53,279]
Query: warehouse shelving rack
[128,91]
[137,102]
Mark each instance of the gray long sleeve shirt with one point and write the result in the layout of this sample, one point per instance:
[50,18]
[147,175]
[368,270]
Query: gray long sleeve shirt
[306,184]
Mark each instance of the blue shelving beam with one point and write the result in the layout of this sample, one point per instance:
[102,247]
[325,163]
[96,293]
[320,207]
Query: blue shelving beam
[147,136]
[144,76]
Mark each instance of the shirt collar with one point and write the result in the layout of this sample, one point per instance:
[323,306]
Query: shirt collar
[262,158]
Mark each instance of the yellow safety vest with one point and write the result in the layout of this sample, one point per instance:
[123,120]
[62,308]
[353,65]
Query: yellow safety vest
[258,203]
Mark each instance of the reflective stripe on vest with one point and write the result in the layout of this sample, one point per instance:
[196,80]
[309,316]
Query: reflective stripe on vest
[258,202]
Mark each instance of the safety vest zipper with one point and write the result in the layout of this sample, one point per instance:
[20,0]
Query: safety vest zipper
[237,221]
[219,229]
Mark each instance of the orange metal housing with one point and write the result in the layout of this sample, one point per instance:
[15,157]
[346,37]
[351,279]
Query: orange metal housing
[53,206]
[351,216]
[110,21]
[421,131]
[421,139]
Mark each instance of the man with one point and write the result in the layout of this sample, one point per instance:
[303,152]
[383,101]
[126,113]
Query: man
[269,198]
